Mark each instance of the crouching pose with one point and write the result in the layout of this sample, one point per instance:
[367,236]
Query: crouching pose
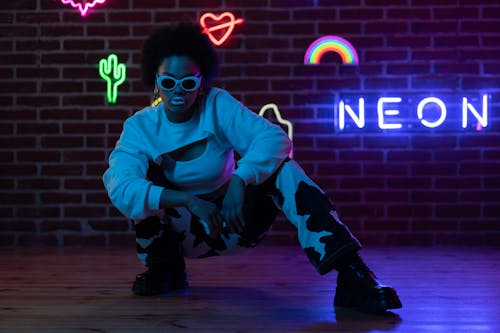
[173,172]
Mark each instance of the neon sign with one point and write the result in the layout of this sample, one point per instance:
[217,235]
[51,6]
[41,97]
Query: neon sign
[83,5]
[274,108]
[216,25]
[277,115]
[431,112]
[336,44]
[114,74]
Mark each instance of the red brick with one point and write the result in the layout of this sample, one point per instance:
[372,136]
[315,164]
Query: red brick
[436,225]
[409,156]
[38,128]
[37,240]
[350,142]
[17,170]
[62,142]
[458,211]
[434,81]
[59,169]
[54,225]
[481,196]
[39,156]
[61,30]
[386,196]
[83,240]
[388,55]
[409,182]
[38,184]
[458,183]
[386,169]
[82,183]
[480,225]
[362,183]
[367,211]
[83,211]
[480,168]
[110,225]
[32,211]
[83,155]
[59,198]
[356,14]
[434,196]
[410,239]
[338,169]
[19,225]
[20,142]
[385,226]
[434,169]
[410,210]
[361,156]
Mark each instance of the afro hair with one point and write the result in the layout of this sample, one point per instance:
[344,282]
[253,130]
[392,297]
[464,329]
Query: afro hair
[181,39]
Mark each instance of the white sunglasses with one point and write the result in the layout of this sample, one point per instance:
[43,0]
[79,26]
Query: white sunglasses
[169,83]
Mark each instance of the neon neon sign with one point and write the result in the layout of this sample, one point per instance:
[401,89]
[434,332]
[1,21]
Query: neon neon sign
[336,44]
[83,6]
[431,112]
[114,74]
[215,30]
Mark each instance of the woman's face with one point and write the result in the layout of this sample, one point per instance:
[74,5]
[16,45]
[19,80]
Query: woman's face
[178,95]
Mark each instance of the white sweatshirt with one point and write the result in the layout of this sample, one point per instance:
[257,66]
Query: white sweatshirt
[226,125]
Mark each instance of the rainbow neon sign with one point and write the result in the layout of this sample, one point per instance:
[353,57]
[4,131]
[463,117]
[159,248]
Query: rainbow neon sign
[326,44]
[83,5]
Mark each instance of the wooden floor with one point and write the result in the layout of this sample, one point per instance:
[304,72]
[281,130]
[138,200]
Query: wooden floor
[268,289]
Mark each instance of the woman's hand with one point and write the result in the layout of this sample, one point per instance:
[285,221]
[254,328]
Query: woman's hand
[208,212]
[232,205]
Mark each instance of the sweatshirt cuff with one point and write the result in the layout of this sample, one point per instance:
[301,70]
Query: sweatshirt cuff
[154,195]
[245,174]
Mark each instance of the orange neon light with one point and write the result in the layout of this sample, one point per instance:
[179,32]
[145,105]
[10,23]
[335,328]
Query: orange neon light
[214,25]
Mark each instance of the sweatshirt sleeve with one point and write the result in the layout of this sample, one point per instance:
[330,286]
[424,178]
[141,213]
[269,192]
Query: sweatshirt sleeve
[125,180]
[261,145]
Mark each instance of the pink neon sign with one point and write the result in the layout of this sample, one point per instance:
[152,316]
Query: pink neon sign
[214,25]
[82,5]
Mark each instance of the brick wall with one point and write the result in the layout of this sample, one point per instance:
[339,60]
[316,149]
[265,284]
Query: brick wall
[411,186]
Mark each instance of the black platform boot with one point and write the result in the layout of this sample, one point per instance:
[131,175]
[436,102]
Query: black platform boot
[164,258]
[357,286]
[159,280]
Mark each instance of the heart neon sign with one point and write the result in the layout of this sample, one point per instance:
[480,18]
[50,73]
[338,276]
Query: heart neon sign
[214,25]
[83,5]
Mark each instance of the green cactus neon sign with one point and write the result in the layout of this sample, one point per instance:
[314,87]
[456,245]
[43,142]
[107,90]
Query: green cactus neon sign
[114,74]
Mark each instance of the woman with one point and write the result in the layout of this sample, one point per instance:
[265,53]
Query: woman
[173,172]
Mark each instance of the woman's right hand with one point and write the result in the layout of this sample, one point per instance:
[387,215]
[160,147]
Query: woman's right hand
[208,212]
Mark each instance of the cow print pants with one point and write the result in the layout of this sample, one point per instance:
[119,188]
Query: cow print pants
[322,235]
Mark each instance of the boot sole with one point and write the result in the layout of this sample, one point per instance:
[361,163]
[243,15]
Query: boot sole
[148,287]
[377,301]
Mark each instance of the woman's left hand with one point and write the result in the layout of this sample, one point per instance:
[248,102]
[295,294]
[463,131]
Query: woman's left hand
[232,205]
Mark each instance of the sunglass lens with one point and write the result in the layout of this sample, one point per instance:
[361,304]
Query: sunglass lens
[189,84]
[167,84]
